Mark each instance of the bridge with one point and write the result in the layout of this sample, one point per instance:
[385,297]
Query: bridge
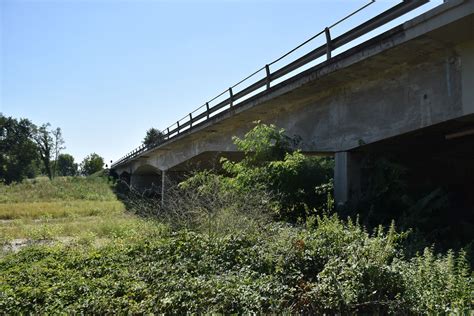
[408,91]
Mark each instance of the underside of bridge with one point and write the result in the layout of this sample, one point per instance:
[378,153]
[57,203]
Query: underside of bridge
[441,156]
[422,179]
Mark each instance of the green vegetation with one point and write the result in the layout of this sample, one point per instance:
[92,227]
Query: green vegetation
[17,149]
[153,137]
[49,143]
[61,209]
[28,151]
[59,189]
[299,185]
[256,238]
[330,266]
[66,165]
[92,164]
[437,214]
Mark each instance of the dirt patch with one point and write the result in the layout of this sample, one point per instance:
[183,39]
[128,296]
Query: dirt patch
[16,245]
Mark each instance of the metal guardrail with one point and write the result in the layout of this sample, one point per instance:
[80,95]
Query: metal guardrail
[205,112]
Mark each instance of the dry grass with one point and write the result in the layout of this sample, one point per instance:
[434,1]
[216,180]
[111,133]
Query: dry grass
[67,209]
[38,210]
[114,225]
[59,189]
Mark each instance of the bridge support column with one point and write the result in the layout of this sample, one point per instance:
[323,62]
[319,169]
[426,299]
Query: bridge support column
[163,184]
[346,177]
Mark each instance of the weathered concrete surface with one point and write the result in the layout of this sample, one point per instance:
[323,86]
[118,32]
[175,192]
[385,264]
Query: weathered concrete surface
[347,176]
[411,77]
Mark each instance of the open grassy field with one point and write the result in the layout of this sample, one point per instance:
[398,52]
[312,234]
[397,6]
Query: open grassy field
[63,210]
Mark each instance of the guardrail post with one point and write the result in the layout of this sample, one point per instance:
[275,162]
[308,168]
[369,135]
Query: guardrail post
[231,97]
[328,42]
[207,110]
[168,133]
[267,69]
[190,120]
[177,123]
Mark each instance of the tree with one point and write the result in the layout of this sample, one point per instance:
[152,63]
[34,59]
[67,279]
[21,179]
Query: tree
[58,142]
[44,141]
[92,164]
[17,150]
[66,165]
[153,137]
[49,143]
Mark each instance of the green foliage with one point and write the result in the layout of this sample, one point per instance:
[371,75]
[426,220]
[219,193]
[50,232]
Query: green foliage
[58,143]
[92,164]
[17,150]
[330,267]
[153,137]
[293,182]
[46,146]
[26,150]
[66,165]
[301,185]
[428,273]
[264,143]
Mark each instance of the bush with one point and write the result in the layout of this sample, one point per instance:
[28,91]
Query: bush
[299,185]
[206,203]
[330,267]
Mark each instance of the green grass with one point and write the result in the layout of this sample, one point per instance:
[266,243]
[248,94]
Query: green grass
[59,189]
[47,210]
[67,208]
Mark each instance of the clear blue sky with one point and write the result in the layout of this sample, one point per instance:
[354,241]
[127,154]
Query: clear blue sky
[107,70]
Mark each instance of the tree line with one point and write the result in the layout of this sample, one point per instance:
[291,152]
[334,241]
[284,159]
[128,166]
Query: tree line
[28,150]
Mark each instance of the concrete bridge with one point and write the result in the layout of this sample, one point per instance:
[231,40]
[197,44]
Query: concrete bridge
[409,90]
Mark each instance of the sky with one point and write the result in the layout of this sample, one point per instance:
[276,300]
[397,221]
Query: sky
[105,71]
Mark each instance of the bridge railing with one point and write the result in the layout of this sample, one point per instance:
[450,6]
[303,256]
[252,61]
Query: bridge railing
[206,111]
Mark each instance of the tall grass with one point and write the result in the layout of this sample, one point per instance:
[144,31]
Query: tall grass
[58,189]
[83,209]
[45,210]
[109,226]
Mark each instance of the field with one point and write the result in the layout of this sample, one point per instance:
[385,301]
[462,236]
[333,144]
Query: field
[65,210]
[69,246]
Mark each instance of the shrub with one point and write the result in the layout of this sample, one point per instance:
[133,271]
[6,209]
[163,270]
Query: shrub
[299,185]
[329,267]
[207,203]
